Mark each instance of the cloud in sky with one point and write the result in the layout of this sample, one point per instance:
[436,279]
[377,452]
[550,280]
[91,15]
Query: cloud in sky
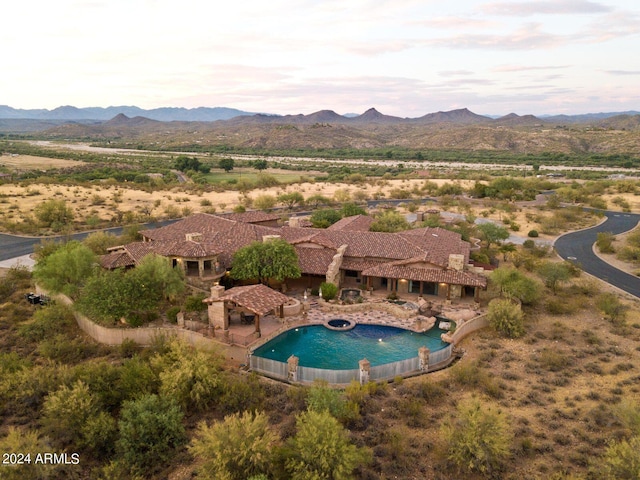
[404,57]
[548,7]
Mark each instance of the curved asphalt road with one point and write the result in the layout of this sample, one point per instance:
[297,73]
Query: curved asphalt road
[12,246]
[578,247]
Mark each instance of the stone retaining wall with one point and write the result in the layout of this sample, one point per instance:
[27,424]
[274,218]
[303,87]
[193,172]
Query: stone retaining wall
[367,306]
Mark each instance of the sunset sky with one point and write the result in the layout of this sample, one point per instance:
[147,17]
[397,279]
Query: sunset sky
[403,57]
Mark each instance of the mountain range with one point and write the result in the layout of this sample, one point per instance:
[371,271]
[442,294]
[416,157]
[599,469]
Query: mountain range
[461,116]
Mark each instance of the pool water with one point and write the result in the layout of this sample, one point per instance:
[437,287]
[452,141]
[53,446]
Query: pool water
[317,346]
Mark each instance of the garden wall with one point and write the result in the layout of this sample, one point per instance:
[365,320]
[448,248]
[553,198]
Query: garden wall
[141,335]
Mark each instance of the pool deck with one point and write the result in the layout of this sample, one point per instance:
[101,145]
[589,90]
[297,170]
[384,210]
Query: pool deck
[271,325]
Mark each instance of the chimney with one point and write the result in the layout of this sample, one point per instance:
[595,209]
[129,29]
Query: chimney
[456,262]
[216,292]
[194,237]
[266,238]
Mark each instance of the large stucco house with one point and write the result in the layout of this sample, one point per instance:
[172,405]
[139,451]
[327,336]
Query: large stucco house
[427,261]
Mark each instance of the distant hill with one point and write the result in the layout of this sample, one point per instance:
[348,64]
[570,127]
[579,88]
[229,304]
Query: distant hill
[166,114]
[461,116]
[514,119]
[585,118]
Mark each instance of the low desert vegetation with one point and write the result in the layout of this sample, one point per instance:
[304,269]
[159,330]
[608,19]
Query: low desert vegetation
[550,390]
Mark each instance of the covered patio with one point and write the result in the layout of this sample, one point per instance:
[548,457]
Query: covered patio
[401,279]
[243,305]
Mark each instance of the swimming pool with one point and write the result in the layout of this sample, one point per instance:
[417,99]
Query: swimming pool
[317,346]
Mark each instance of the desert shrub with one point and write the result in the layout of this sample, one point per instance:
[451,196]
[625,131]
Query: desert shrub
[477,439]
[66,411]
[506,317]
[47,322]
[264,202]
[629,253]
[533,234]
[242,394]
[237,448]
[561,306]
[329,290]
[321,448]
[514,284]
[552,360]
[622,460]
[194,303]
[611,306]
[150,430]
[604,242]
[26,442]
[172,313]
[190,377]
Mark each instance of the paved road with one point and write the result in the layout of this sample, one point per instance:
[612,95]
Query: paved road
[12,246]
[578,247]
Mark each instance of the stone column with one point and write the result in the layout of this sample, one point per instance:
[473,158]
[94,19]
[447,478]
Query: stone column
[423,355]
[292,364]
[201,268]
[365,369]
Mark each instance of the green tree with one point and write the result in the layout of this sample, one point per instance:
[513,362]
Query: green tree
[351,209]
[314,201]
[260,164]
[492,233]
[134,294]
[321,449]
[272,259]
[185,163]
[324,218]
[237,448]
[291,199]
[150,430]
[109,296]
[553,274]
[515,284]
[506,317]
[477,438]
[99,242]
[226,164]
[158,278]
[66,269]
[54,214]
[390,222]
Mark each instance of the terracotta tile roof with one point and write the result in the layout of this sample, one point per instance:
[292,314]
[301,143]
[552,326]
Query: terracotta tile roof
[115,260]
[260,299]
[365,250]
[254,216]
[356,223]
[314,261]
[359,264]
[434,275]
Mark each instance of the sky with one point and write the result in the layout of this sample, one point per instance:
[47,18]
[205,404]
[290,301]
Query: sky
[402,57]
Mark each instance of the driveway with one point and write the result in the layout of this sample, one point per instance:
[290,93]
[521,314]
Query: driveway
[578,247]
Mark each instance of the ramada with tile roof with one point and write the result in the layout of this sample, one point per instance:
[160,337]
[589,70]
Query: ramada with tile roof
[428,261]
